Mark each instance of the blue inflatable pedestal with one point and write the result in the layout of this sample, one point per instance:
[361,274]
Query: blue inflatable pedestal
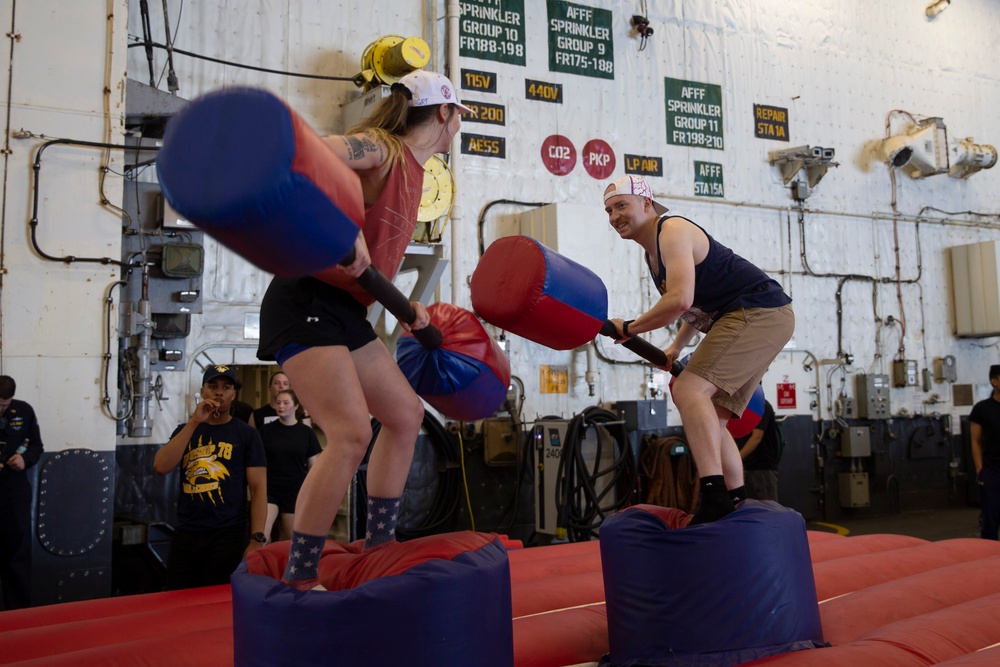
[718,594]
[434,601]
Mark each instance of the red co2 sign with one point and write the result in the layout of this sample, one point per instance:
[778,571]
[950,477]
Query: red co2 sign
[558,154]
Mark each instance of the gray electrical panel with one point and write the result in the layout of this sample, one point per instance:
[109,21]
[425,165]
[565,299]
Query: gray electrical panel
[873,396]
[855,441]
[854,489]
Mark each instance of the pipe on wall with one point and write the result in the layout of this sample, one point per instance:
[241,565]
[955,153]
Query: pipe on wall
[453,71]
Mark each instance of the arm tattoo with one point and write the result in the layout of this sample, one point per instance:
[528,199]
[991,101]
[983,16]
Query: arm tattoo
[357,147]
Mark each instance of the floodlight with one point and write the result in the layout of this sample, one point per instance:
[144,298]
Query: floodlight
[919,152]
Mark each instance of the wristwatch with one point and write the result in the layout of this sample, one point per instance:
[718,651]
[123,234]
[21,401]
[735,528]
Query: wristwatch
[259,537]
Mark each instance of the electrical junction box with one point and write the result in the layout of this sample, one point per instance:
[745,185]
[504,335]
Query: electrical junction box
[500,441]
[361,107]
[646,415]
[854,489]
[944,369]
[855,441]
[904,373]
[843,407]
[873,396]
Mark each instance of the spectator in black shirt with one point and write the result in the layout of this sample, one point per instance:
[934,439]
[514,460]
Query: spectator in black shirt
[984,430]
[20,448]
[761,452]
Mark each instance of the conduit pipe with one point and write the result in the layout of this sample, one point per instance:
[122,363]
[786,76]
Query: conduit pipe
[591,375]
[453,71]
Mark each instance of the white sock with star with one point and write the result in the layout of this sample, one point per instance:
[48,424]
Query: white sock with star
[382,516]
[303,556]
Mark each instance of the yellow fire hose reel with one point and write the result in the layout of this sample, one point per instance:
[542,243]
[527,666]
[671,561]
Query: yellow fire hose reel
[384,62]
[390,58]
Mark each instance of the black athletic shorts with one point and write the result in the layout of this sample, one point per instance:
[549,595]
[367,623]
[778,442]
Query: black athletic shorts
[306,312]
[284,498]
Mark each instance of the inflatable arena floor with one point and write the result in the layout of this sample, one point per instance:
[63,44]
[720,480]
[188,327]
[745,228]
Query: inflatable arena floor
[650,592]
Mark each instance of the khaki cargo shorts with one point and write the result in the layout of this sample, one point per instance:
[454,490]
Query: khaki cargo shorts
[737,350]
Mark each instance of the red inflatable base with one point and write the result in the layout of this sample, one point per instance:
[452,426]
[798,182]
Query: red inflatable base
[883,600]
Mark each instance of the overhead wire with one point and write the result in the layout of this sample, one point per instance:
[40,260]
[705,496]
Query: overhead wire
[230,63]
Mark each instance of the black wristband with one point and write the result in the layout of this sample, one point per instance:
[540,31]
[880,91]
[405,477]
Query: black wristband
[625,326]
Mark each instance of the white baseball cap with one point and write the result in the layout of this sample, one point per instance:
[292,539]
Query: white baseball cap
[429,88]
[633,185]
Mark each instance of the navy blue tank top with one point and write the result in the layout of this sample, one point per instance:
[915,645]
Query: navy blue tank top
[723,282]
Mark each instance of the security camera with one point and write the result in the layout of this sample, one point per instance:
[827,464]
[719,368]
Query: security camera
[641,24]
[815,160]
[794,153]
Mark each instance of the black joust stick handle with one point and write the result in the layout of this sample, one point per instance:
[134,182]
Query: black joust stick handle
[643,348]
[386,293]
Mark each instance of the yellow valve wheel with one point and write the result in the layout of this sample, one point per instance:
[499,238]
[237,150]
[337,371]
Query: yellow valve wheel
[439,190]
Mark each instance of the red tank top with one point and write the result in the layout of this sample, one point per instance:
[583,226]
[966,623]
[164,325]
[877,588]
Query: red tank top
[389,223]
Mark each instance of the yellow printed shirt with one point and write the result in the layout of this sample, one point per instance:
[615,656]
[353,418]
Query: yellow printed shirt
[213,476]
